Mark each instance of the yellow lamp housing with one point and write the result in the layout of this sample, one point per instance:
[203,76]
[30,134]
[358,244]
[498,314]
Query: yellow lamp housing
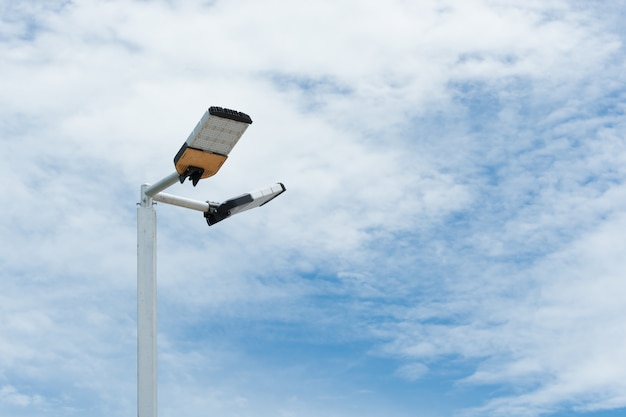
[207,147]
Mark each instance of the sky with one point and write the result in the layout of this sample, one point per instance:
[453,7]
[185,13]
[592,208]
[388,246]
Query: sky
[450,243]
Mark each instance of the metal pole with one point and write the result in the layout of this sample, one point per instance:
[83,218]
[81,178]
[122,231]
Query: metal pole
[146,308]
[151,190]
[182,202]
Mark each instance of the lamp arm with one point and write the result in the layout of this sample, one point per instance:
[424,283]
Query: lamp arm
[152,189]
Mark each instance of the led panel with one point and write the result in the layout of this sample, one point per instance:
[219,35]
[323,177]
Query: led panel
[218,133]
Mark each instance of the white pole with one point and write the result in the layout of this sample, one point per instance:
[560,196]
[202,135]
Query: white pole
[151,190]
[146,308]
[182,202]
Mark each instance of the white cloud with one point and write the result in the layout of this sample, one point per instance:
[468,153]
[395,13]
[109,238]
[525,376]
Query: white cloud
[454,174]
[412,371]
[11,395]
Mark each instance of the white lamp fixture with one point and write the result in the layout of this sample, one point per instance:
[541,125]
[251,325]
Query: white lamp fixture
[218,212]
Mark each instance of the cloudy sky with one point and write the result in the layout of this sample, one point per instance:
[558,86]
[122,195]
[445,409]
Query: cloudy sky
[450,243]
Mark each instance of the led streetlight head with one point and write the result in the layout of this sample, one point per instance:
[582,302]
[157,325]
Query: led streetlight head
[219,212]
[208,146]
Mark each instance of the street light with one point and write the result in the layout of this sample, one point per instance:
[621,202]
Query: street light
[208,146]
[219,212]
[201,156]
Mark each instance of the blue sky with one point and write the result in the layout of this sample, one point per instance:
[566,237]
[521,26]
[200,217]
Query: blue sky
[451,242]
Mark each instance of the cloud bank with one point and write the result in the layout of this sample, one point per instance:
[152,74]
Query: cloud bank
[449,243]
